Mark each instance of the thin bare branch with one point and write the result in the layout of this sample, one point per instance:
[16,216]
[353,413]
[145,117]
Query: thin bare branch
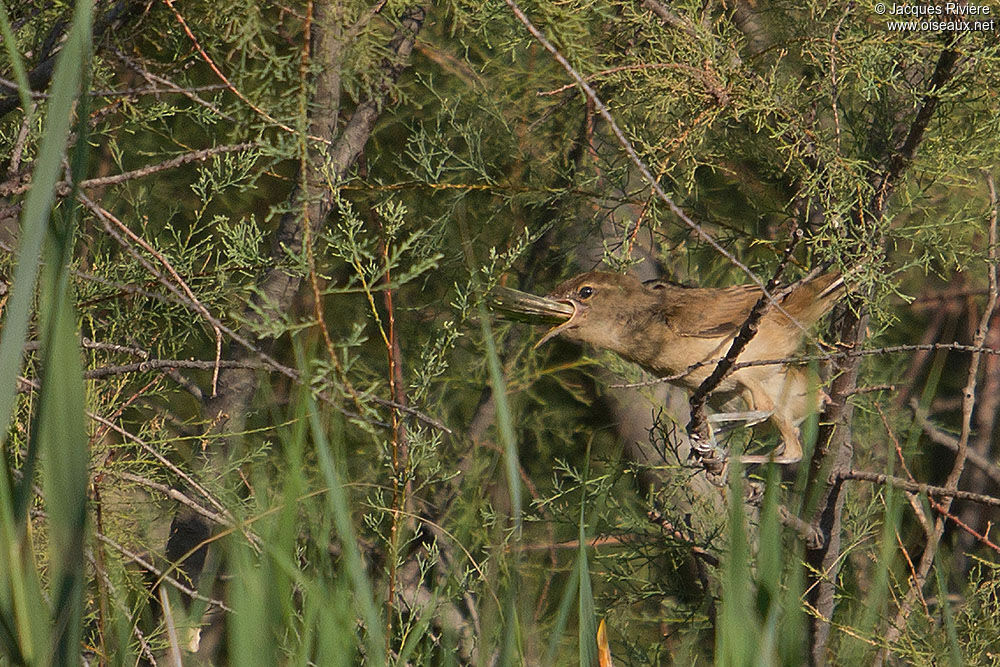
[804,359]
[172,87]
[106,217]
[160,574]
[917,487]
[698,426]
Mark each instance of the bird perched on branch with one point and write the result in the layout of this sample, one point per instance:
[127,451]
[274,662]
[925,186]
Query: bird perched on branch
[682,332]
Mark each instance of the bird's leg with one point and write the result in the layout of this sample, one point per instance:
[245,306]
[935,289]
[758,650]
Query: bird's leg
[748,417]
[760,401]
[790,450]
[752,416]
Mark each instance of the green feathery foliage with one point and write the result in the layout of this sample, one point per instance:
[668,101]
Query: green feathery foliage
[246,252]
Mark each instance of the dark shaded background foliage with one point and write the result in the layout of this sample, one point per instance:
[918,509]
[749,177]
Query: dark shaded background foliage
[397,169]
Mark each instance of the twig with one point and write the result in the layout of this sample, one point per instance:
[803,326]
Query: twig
[808,532]
[164,462]
[158,364]
[277,288]
[707,79]
[22,137]
[153,90]
[918,509]
[18,186]
[936,299]
[35,385]
[118,600]
[160,574]
[99,433]
[401,482]
[107,219]
[834,93]
[918,487]
[173,641]
[672,19]
[969,530]
[186,158]
[88,344]
[872,389]
[840,354]
[987,413]
[222,77]
[188,93]
[655,516]
[173,494]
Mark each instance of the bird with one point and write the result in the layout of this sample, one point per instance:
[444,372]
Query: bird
[677,331]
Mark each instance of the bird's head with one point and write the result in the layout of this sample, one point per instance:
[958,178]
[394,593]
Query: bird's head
[597,298]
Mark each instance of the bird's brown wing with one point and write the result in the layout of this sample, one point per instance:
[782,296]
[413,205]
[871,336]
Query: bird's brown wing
[706,312]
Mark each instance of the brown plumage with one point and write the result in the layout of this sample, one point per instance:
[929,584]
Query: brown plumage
[667,329]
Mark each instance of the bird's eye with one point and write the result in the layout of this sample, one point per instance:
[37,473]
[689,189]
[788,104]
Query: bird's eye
[586,291]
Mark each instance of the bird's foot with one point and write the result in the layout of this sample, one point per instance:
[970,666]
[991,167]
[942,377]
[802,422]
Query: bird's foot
[778,455]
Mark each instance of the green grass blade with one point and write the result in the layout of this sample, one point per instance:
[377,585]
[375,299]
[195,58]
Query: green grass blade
[569,596]
[736,637]
[793,628]
[17,63]
[954,648]
[586,614]
[340,511]
[62,438]
[37,206]
[59,420]
[511,640]
[61,417]
[505,421]
[251,641]
[770,567]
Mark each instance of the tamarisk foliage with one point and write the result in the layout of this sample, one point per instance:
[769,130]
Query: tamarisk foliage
[259,410]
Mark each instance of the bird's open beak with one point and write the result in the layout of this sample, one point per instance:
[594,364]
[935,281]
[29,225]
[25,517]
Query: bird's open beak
[517,305]
[559,328]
